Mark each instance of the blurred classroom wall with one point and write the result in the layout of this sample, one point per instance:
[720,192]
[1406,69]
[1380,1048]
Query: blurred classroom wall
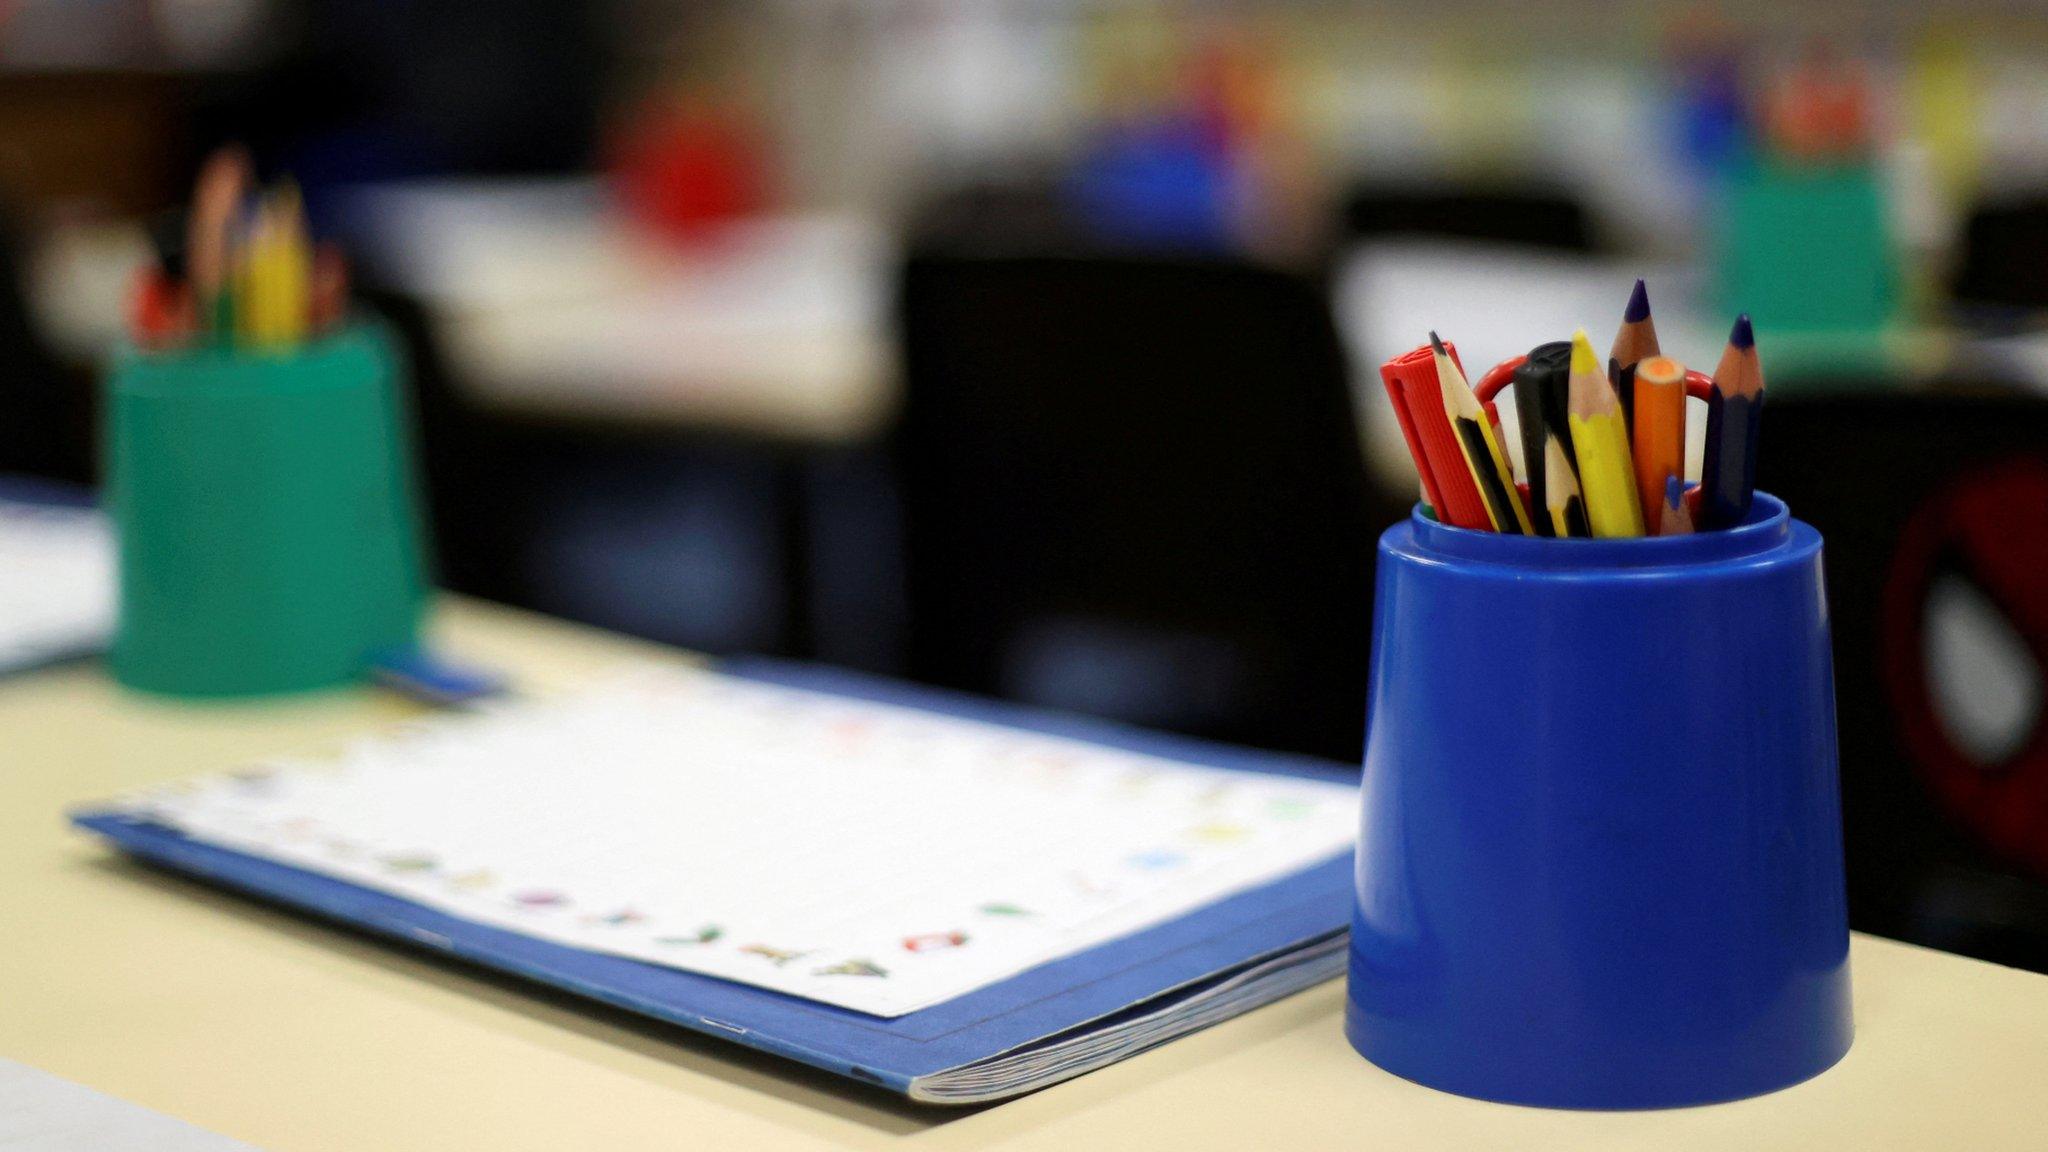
[649,259]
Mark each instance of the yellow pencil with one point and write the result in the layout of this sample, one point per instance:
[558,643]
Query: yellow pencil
[292,274]
[1490,469]
[1561,492]
[1607,476]
[274,274]
[251,274]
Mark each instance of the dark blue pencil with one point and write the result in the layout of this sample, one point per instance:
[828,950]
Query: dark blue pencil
[1635,343]
[1735,409]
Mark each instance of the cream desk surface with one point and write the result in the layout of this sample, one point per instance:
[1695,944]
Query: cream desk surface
[274,1029]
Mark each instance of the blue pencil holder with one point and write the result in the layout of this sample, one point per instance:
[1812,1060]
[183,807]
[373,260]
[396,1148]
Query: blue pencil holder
[1600,858]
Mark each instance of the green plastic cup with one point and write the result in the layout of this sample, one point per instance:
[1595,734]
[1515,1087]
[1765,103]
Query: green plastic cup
[270,538]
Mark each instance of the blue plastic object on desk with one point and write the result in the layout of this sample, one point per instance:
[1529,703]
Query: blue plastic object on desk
[1600,862]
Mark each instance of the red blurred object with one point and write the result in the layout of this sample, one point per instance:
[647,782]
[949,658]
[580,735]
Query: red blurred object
[1819,110]
[682,171]
[1446,478]
[1230,88]
[159,311]
[329,301]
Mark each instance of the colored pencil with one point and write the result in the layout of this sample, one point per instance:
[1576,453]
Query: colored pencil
[1674,519]
[1567,512]
[1500,437]
[1658,442]
[1516,490]
[274,276]
[1457,502]
[1541,390]
[245,279]
[292,268]
[159,310]
[216,203]
[1489,466]
[1734,411]
[1607,479]
[245,273]
[328,304]
[1636,342]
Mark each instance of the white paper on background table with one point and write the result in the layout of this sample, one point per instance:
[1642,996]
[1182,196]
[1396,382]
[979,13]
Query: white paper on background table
[878,858]
[56,583]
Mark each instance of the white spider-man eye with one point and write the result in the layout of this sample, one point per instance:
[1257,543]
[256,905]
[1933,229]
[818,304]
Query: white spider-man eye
[1986,685]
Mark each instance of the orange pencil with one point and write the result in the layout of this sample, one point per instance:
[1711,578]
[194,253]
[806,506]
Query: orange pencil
[1674,518]
[1658,433]
[223,185]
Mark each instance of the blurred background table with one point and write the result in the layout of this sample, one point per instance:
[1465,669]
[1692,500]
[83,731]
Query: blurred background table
[545,302]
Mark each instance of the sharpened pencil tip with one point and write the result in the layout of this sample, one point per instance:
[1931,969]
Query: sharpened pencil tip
[1638,305]
[1435,344]
[1742,336]
[1583,359]
[1674,491]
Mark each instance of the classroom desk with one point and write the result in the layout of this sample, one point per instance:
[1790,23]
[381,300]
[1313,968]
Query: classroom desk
[274,1029]
[545,304]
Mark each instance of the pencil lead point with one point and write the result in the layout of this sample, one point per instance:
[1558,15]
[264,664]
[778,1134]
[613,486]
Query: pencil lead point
[1742,336]
[1583,358]
[1638,304]
[1674,491]
[1435,344]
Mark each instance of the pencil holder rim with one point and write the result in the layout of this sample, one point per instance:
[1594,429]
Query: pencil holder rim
[214,370]
[1768,525]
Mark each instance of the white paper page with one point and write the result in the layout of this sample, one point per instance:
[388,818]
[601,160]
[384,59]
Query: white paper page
[56,583]
[878,858]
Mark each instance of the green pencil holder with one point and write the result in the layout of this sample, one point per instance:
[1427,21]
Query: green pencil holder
[270,538]
[1807,249]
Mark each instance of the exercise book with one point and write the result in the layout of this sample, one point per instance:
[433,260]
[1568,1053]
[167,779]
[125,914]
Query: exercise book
[955,899]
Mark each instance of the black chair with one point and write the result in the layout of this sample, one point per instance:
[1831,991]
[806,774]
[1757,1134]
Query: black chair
[1535,217]
[592,521]
[1133,486]
[46,412]
[2000,265]
[1934,508]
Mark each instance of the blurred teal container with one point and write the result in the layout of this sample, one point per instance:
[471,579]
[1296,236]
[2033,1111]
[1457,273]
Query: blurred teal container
[270,538]
[1808,249]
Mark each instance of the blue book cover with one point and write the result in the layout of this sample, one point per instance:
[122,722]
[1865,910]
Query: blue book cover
[1043,1025]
